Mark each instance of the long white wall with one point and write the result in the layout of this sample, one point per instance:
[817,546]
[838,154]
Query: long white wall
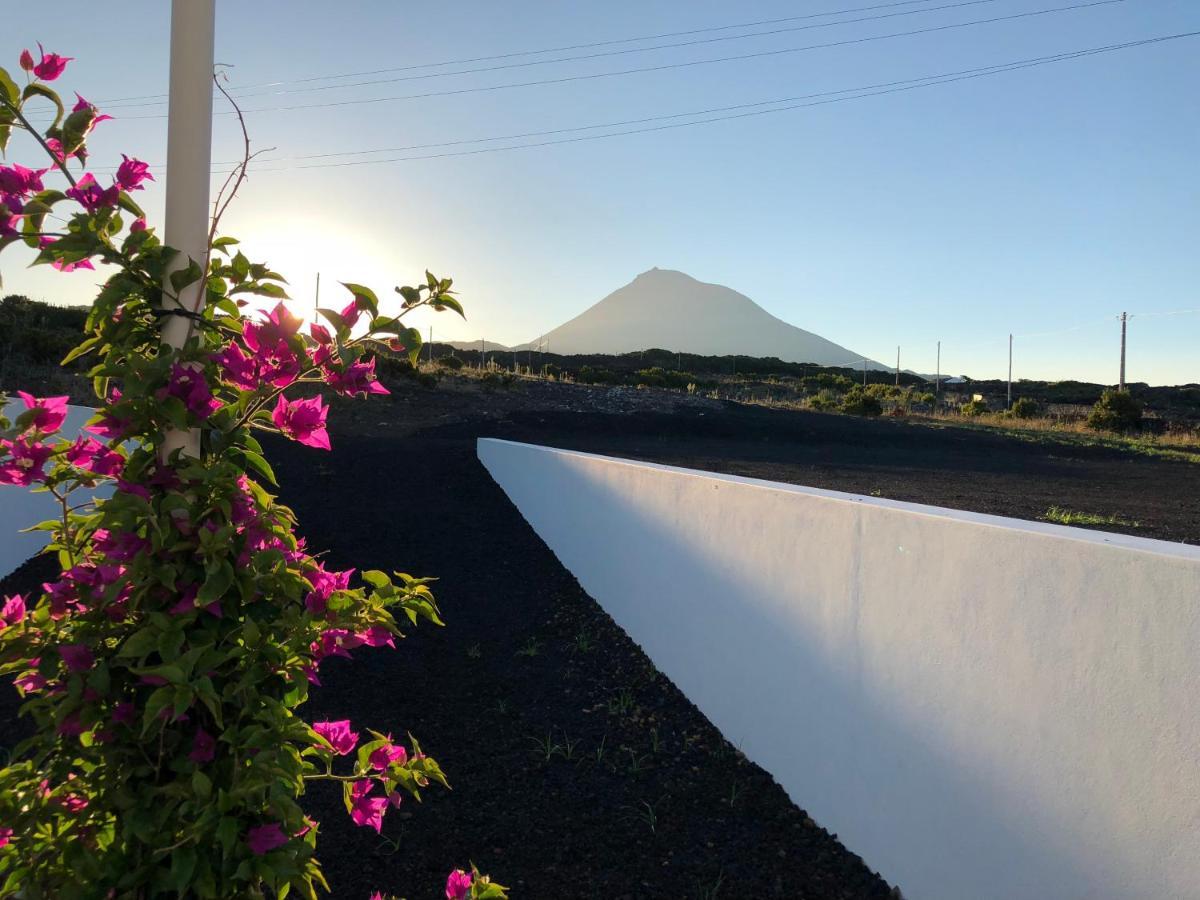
[21,507]
[980,707]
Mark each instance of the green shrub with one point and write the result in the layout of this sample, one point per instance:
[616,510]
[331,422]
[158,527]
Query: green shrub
[1115,411]
[450,362]
[594,375]
[974,408]
[1025,408]
[859,402]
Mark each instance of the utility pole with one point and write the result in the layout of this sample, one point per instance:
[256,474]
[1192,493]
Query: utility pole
[864,372]
[189,159]
[1124,319]
[431,345]
[897,367]
[482,350]
[937,379]
[317,293]
[1010,370]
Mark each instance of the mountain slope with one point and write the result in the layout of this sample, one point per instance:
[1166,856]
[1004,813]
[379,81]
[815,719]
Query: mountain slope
[673,311]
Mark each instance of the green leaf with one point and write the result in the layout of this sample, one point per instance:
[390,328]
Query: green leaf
[219,581]
[241,266]
[184,277]
[259,464]
[447,302]
[376,579]
[127,203]
[12,93]
[84,348]
[411,338]
[140,643]
[364,297]
[38,89]
[410,294]
[227,834]
[159,700]
[183,864]
[202,785]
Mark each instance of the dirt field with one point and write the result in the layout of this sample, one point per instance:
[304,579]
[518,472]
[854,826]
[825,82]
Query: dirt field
[922,463]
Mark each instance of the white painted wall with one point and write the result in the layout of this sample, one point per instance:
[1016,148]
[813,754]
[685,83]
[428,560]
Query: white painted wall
[980,707]
[20,507]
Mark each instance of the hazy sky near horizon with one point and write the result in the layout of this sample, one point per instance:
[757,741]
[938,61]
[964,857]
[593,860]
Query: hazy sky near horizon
[1041,202]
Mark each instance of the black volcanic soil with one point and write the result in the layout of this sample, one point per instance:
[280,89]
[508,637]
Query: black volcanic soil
[578,769]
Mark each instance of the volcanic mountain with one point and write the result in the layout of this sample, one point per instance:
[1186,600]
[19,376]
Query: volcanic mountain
[670,310]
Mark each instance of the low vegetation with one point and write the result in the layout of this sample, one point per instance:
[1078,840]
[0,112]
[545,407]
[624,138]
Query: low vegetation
[1071,517]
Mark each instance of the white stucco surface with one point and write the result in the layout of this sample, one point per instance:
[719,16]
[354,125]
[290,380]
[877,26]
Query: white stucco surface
[21,507]
[980,707]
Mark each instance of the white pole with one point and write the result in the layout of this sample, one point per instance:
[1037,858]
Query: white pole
[189,158]
[1010,371]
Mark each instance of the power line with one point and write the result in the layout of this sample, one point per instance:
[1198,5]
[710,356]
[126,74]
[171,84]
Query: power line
[668,66]
[1174,312]
[929,81]
[598,55]
[855,92]
[561,49]
[992,69]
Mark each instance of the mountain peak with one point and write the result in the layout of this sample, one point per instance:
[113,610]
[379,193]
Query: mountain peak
[669,309]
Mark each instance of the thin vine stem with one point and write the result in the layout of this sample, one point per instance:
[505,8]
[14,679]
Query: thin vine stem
[60,163]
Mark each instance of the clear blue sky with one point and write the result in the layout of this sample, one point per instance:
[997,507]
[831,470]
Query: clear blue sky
[1031,202]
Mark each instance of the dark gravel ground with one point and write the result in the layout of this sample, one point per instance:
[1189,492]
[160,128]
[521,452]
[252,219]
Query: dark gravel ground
[578,769]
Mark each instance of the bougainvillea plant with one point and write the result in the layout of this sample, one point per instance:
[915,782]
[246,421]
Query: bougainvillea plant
[164,666]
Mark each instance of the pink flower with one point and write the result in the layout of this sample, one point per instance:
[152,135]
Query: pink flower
[110,426]
[320,333]
[204,747]
[358,378]
[458,885]
[338,735]
[77,657]
[73,803]
[12,612]
[31,682]
[378,636]
[88,193]
[67,267]
[335,642]
[386,755]
[350,313]
[28,459]
[366,810]
[279,326]
[6,833]
[188,384]
[89,454]
[82,105]
[48,412]
[131,173]
[49,67]
[138,224]
[71,726]
[302,421]
[20,181]
[275,364]
[123,713]
[265,838]
[324,584]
